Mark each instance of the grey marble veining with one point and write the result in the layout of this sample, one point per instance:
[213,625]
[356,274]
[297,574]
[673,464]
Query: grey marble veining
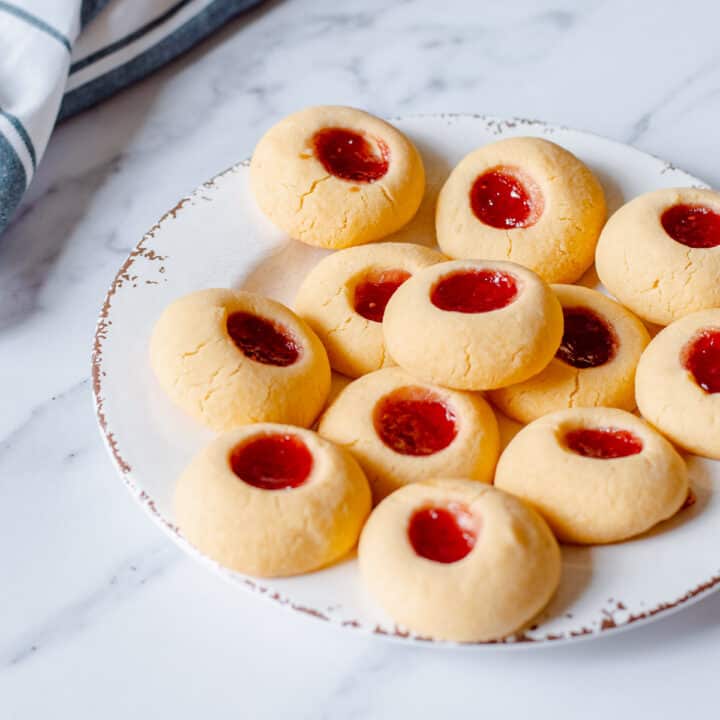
[99,614]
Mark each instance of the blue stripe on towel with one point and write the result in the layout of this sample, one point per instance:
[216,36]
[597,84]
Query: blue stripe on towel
[131,37]
[174,44]
[12,181]
[90,8]
[23,133]
[35,21]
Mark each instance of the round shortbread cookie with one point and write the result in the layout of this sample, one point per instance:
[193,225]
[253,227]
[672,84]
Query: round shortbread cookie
[272,500]
[343,299]
[523,199]
[402,430]
[678,382]
[597,475]
[594,366]
[660,253]
[458,560]
[473,324]
[230,358]
[335,176]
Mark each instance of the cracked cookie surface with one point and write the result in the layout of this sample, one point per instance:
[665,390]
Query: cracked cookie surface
[324,201]
[328,301]
[277,371]
[358,420]
[657,277]
[554,233]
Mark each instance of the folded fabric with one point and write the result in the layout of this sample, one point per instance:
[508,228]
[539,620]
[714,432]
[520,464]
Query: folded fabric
[61,56]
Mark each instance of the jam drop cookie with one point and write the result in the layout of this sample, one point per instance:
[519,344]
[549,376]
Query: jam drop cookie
[458,560]
[335,177]
[401,430]
[523,199]
[594,365]
[473,325]
[343,300]
[678,382]
[597,475]
[660,253]
[272,500]
[230,358]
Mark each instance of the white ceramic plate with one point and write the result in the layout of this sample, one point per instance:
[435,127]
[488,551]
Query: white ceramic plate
[217,238]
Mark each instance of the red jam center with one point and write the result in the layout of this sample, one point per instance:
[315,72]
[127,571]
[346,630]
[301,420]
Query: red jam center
[702,358]
[414,421]
[348,155]
[444,535]
[587,341]
[474,291]
[262,340]
[500,199]
[603,443]
[272,462]
[696,226]
[372,293]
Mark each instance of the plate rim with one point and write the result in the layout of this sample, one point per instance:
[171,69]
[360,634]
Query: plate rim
[607,627]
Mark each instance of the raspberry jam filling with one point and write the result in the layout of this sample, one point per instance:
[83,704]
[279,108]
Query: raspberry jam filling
[474,291]
[373,292]
[442,534]
[414,421]
[272,462]
[501,199]
[587,341]
[701,357]
[696,226]
[603,443]
[349,156]
[262,340]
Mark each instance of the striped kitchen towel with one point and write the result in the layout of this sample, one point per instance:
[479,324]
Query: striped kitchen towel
[58,57]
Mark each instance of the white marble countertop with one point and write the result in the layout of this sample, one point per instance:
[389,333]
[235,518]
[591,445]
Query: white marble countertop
[100,615]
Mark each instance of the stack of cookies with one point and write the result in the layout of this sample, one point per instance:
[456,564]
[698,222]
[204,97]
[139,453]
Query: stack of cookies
[436,344]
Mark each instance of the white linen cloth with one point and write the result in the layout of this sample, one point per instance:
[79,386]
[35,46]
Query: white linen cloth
[58,57]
